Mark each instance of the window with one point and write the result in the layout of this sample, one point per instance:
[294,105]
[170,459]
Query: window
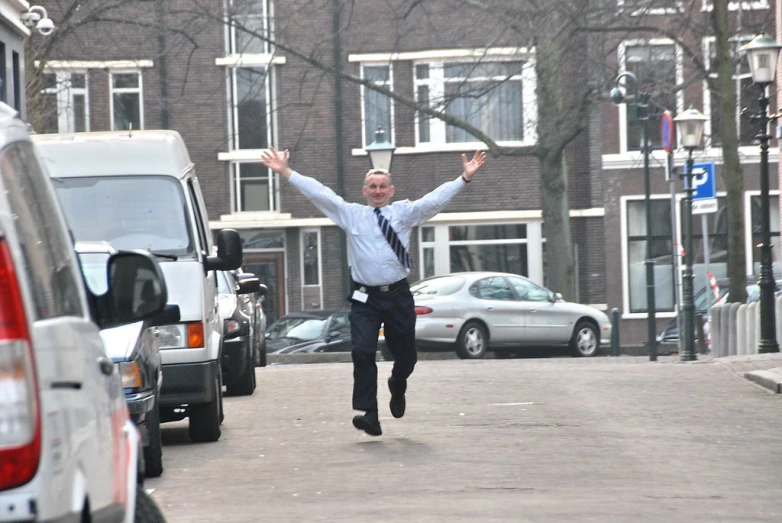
[494,288]
[528,291]
[654,65]
[254,187]
[650,7]
[127,103]
[310,257]
[377,107]
[17,78]
[492,96]
[66,106]
[47,250]
[661,251]
[734,5]
[250,115]
[747,95]
[501,248]
[249,20]
[755,223]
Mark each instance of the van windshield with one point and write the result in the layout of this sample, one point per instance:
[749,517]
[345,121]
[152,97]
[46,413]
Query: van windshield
[129,212]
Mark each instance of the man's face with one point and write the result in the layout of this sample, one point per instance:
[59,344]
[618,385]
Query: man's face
[378,190]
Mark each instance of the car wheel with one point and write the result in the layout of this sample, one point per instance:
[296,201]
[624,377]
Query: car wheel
[386,353]
[585,340]
[147,510]
[153,453]
[244,385]
[472,341]
[205,418]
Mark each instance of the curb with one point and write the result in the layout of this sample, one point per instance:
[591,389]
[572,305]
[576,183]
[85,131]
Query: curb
[770,379]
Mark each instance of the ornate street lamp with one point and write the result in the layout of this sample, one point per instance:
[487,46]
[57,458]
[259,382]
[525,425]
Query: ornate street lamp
[380,152]
[638,109]
[762,53]
[689,128]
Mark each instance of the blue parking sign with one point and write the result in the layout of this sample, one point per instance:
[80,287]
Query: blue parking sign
[704,181]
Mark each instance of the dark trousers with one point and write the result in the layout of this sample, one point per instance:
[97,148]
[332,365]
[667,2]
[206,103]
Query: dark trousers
[396,311]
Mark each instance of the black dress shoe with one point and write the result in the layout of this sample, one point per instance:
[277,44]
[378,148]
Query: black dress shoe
[397,403]
[368,423]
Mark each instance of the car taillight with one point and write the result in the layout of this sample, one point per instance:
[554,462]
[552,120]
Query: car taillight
[422,310]
[20,418]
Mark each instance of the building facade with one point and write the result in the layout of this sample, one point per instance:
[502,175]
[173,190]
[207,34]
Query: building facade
[239,76]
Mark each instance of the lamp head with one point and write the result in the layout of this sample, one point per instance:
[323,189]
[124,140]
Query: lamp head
[762,53]
[617,95]
[45,26]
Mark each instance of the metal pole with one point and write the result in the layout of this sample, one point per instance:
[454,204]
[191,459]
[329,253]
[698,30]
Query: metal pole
[768,337]
[688,305]
[676,250]
[643,115]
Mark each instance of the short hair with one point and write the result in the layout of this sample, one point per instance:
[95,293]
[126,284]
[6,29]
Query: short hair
[373,172]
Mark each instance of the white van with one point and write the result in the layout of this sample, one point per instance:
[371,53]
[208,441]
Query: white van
[67,449]
[138,190]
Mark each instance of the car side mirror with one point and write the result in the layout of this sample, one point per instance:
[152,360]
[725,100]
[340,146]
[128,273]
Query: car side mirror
[248,285]
[229,252]
[556,297]
[136,290]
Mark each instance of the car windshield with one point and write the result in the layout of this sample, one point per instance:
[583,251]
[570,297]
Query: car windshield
[304,329]
[438,286]
[129,212]
[94,268]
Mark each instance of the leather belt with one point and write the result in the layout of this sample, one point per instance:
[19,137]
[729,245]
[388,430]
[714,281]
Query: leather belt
[380,288]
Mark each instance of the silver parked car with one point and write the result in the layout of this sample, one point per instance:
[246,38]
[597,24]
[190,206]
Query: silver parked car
[479,311]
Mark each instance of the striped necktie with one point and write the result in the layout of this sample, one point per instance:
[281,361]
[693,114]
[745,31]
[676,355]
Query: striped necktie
[393,240]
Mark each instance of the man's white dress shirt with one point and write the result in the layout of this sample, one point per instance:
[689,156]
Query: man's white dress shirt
[371,258]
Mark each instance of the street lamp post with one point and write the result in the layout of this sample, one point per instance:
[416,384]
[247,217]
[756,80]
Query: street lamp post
[640,110]
[689,127]
[381,151]
[762,53]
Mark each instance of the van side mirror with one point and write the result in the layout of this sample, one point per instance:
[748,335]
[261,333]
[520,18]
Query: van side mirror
[136,290]
[229,252]
[248,285]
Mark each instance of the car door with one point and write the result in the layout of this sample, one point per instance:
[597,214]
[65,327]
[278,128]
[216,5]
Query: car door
[498,306]
[547,322]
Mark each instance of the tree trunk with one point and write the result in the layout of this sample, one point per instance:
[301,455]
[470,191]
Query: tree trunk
[732,174]
[558,262]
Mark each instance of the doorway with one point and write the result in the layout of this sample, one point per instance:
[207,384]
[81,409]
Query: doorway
[269,267]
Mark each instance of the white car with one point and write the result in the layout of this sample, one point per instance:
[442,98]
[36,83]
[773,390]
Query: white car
[477,311]
[68,451]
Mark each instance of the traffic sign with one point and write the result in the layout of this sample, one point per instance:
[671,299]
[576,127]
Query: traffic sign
[704,199]
[666,131]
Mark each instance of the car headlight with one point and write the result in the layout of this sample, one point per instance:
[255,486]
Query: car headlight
[131,377]
[232,326]
[172,336]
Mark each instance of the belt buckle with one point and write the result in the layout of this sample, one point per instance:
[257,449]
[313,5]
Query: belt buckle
[385,288]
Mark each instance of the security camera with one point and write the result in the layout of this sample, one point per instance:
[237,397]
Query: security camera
[617,95]
[30,18]
[45,26]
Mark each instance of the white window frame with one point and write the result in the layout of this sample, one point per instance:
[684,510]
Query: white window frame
[708,131]
[302,232]
[641,11]
[734,6]
[235,182]
[126,90]
[623,68]
[267,24]
[64,93]
[389,84]
[233,121]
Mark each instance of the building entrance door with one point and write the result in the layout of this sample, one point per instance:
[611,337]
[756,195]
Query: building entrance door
[269,267]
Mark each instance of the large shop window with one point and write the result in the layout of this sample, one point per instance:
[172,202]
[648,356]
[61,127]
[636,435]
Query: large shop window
[127,103]
[661,251]
[377,107]
[65,102]
[654,65]
[490,96]
[747,96]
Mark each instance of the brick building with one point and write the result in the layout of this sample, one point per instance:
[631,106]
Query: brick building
[177,64]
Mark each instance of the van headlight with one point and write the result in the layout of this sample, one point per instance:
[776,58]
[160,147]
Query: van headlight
[172,336]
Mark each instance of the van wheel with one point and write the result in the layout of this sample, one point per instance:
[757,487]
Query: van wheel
[147,510]
[153,453]
[244,385]
[205,418]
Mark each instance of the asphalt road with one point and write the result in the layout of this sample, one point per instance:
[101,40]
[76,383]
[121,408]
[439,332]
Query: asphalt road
[604,439]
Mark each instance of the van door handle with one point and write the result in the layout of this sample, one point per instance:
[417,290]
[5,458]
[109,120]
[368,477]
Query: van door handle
[106,365]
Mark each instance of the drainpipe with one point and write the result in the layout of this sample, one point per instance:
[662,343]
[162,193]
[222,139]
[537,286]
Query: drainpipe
[161,52]
[337,45]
